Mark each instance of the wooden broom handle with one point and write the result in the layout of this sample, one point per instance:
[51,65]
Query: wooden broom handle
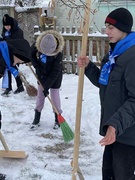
[80,90]
[79,172]
[3,142]
[43,89]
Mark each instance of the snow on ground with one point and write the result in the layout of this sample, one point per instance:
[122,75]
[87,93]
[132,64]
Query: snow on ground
[49,156]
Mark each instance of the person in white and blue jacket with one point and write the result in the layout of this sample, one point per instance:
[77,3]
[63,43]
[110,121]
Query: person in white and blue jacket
[116,83]
[47,59]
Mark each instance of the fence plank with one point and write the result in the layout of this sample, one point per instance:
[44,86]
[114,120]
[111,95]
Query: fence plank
[97,48]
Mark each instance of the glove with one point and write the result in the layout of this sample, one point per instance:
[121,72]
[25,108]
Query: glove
[46,92]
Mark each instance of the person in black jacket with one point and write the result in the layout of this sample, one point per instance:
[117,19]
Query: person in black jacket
[47,59]
[116,82]
[13,52]
[12,31]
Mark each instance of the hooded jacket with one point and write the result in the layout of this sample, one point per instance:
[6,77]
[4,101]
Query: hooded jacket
[16,32]
[118,97]
[49,72]
[17,46]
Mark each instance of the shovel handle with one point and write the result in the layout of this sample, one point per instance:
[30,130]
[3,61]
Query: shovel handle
[3,142]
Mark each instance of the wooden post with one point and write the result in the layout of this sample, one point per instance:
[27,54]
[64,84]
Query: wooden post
[90,29]
[73,29]
[12,12]
[90,48]
[41,21]
[58,28]
[68,55]
[63,29]
[67,29]
[80,91]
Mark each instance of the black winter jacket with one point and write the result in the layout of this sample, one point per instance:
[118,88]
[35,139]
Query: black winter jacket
[18,47]
[49,73]
[16,32]
[118,97]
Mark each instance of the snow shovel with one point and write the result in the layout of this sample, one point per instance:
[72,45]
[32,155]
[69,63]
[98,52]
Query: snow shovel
[8,153]
[80,92]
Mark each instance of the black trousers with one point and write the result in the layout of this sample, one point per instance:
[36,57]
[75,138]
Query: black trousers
[118,162]
[18,80]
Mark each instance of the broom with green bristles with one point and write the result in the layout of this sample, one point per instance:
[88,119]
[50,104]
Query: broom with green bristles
[67,132]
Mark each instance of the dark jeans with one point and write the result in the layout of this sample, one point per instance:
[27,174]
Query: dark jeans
[119,162]
[107,169]
[18,80]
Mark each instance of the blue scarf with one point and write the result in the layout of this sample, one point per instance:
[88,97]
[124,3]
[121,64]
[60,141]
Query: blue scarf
[5,55]
[7,33]
[43,58]
[120,48]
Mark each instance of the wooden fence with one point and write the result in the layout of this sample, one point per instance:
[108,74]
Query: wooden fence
[97,47]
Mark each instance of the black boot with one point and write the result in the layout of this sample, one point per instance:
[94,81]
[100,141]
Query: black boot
[19,89]
[36,120]
[56,124]
[6,92]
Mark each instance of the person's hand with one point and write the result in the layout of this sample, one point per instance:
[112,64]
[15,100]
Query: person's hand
[83,61]
[46,92]
[110,137]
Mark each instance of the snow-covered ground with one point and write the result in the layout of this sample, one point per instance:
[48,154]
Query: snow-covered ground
[49,156]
